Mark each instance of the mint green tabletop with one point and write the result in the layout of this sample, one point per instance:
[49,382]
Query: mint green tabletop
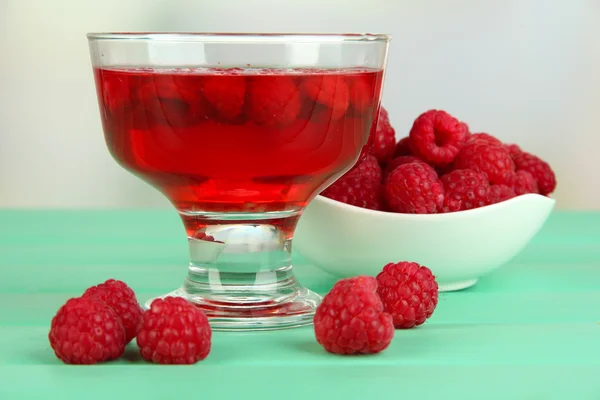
[530,330]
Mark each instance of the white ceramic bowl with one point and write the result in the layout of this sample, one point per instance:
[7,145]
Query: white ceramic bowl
[458,247]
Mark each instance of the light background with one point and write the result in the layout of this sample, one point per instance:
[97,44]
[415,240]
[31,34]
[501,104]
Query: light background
[524,70]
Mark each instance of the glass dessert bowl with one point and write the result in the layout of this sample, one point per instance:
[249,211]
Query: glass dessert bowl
[240,132]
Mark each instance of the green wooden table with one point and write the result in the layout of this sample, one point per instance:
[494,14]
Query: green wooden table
[530,330]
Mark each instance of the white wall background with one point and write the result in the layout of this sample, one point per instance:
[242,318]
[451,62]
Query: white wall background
[524,70]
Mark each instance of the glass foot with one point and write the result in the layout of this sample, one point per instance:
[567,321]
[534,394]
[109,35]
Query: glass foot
[276,312]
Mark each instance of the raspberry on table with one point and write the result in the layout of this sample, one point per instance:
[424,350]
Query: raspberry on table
[357,191]
[494,161]
[384,141]
[226,94]
[409,292]
[121,298]
[541,171]
[413,188]
[174,332]
[437,137]
[368,168]
[86,331]
[500,193]
[483,138]
[403,147]
[465,189]
[525,183]
[400,160]
[350,319]
[329,90]
[273,101]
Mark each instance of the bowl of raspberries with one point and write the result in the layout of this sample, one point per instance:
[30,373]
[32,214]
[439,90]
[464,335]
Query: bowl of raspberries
[463,203]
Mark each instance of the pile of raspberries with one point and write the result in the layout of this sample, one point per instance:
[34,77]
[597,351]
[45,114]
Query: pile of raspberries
[439,167]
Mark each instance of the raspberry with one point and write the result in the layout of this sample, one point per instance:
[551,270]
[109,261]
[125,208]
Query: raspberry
[274,100]
[400,160]
[500,193]
[403,147]
[86,331]
[329,90]
[465,189]
[361,94]
[173,103]
[357,191]
[525,183]
[409,293]
[118,296]
[437,137]
[350,319]
[413,188]
[226,94]
[483,138]
[514,150]
[494,161]
[384,142]
[541,171]
[174,332]
[368,168]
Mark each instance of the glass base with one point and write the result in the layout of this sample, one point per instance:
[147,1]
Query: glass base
[240,273]
[268,313]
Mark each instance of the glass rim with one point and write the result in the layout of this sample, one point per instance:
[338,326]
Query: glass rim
[239,37]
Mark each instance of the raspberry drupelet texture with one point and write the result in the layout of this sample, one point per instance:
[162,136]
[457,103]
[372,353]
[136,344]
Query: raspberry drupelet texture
[492,160]
[121,298]
[384,142]
[500,193]
[483,138]
[174,332]
[414,188]
[350,319]
[368,168]
[275,102]
[409,292]
[437,137]
[86,331]
[357,191]
[400,160]
[539,169]
[465,189]
[403,147]
[525,183]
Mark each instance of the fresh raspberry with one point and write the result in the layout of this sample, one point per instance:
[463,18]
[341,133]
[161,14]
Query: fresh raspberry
[413,188]
[357,191]
[484,138]
[226,94]
[118,296]
[494,161]
[500,193]
[329,90]
[514,150]
[350,319]
[437,137]
[273,100]
[409,293]
[465,189]
[86,331]
[403,147]
[541,171]
[525,183]
[368,168]
[384,141]
[400,160]
[174,332]
[361,94]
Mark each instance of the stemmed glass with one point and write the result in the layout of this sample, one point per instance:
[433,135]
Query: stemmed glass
[239,132]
